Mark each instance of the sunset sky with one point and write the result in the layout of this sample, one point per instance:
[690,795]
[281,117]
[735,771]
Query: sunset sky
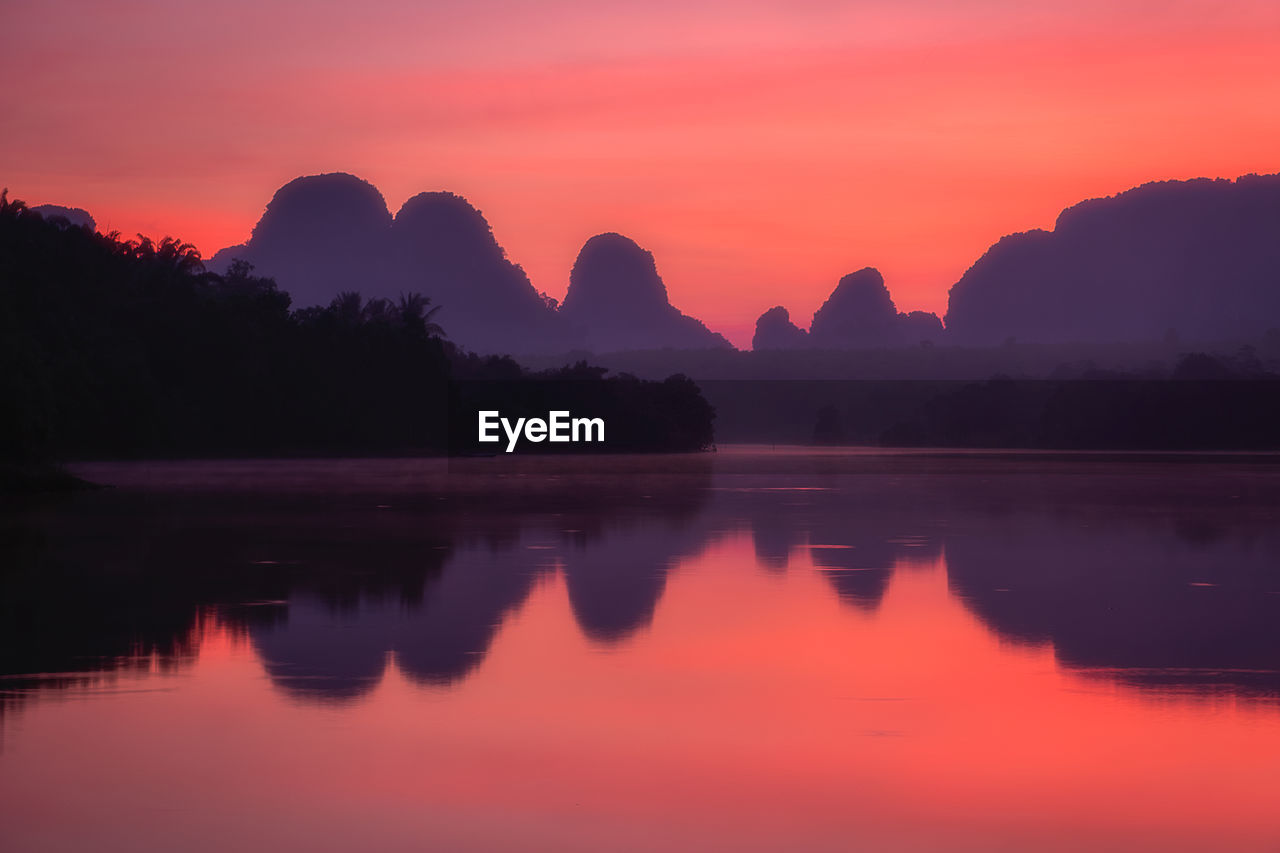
[759,149]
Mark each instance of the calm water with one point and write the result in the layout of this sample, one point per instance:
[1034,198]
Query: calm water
[760,650]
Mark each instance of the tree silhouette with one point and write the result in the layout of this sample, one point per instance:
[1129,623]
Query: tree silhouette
[415,314]
[127,348]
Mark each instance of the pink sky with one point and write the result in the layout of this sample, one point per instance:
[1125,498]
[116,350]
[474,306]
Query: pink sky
[760,150]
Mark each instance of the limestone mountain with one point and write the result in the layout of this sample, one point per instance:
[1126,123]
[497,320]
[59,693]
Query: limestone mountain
[445,248]
[321,235]
[859,313]
[617,301]
[1199,259]
[774,330]
[325,234]
[76,216]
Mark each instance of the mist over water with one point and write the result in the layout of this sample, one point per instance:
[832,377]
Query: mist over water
[756,649]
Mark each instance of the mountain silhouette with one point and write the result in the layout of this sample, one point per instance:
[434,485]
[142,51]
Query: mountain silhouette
[858,313]
[445,248]
[774,330]
[319,236]
[1198,259]
[76,216]
[1195,260]
[618,301]
[322,235]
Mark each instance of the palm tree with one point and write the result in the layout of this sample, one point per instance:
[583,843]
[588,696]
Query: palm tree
[180,257]
[378,311]
[347,307]
[183,257]
[413,312]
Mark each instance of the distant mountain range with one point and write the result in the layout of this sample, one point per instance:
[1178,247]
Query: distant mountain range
[859,313]
[1189,261]
[325,234]
[1199,260]
[617,301]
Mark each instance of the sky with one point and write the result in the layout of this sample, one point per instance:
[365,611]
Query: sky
[761,150]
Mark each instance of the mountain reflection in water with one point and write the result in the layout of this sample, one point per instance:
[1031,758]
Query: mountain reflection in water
[1157,576]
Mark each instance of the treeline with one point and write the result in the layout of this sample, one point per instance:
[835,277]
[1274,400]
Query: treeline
[114,348]
[1204,402]
[639,415]
[1207,404]
[926,361]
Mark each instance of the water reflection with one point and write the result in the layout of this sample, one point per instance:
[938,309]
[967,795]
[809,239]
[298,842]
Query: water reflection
[1178,594]
[1163,575]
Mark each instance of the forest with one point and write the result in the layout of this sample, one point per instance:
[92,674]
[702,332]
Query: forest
[131,348]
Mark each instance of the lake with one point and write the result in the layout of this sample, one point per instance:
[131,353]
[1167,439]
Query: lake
[757,649]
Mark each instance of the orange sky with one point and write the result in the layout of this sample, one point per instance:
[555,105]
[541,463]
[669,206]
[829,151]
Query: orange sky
[760,149]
